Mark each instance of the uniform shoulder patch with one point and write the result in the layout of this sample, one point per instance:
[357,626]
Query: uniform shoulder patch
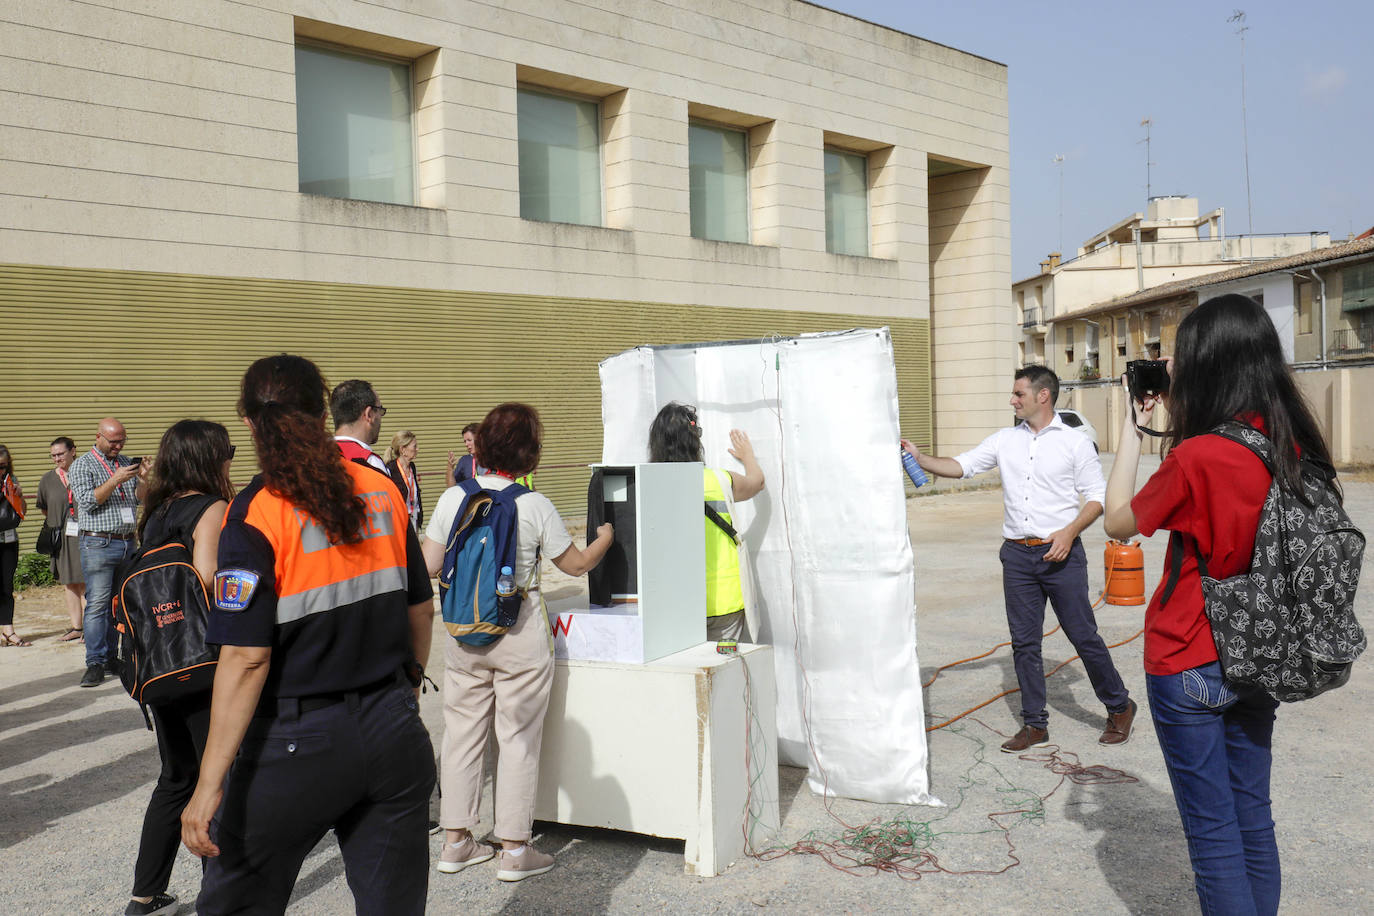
[234,589]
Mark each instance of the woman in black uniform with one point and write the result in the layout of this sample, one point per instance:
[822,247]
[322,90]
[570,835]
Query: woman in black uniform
[188,492]
[321,601]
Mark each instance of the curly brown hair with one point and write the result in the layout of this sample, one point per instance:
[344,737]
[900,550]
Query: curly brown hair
[285,400]
[510,438]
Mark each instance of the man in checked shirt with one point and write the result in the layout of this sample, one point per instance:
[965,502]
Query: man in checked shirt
[106,489]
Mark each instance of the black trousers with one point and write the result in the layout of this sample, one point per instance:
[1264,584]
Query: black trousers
[181,729]
[364,767]
[9,562]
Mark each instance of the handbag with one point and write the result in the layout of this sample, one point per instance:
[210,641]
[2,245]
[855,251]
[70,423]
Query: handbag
[49,541]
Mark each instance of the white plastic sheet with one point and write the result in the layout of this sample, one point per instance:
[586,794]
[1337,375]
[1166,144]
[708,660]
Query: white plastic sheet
[827,537]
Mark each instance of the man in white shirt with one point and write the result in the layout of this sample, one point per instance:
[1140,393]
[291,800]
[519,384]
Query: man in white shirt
[1046,468]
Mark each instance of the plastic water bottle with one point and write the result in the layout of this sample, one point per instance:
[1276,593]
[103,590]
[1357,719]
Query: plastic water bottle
[913,470]
[505,583]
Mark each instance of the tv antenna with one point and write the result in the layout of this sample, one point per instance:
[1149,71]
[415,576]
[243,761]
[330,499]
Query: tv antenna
[1238,17]
[1059,161]
[1147,123]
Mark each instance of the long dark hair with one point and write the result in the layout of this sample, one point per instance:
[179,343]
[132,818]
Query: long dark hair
[190,459]
[674,435]
[285,399]
[1228,362]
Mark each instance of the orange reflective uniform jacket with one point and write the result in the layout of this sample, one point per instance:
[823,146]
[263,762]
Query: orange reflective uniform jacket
[313,575]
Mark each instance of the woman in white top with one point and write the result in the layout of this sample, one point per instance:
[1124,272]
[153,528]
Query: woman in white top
[503,686]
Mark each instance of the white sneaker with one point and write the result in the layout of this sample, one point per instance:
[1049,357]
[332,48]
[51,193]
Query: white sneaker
[465,853]
[529,863]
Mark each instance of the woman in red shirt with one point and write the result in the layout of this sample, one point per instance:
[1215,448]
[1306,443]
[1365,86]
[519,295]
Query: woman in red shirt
[1216,738]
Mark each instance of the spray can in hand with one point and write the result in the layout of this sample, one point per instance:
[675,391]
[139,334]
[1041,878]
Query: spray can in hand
[505,583]
[913,470]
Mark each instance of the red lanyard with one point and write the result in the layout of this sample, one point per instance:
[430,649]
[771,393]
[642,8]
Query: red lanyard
[510,477]
[71,503]
[101,458]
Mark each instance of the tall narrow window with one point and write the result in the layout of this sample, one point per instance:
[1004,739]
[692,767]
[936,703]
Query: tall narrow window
[353,128]
[846,202]
[718,164]
[560,158]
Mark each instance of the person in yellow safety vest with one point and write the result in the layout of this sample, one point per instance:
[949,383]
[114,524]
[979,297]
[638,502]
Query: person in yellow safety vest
[675,436]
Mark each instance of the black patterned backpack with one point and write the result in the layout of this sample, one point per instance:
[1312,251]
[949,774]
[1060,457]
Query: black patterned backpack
[1287,626]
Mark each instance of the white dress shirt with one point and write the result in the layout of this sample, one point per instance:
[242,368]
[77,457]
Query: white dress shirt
[1044,475]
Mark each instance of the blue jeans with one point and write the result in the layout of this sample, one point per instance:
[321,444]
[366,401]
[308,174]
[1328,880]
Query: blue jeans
[1216,747]
[1027,581]
[100,557]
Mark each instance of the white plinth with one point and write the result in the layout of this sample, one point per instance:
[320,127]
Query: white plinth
[684,747]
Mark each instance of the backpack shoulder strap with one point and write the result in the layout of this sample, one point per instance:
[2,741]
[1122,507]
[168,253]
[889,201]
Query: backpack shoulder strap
[1246,435]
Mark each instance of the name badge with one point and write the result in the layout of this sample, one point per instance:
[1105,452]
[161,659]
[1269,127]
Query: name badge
[126,515]
[9,537]
[234,589]
[72,529]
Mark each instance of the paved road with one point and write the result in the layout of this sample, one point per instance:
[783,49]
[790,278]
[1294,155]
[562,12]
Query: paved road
[76,767]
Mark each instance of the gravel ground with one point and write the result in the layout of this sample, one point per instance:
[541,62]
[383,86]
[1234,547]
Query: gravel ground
[76,767]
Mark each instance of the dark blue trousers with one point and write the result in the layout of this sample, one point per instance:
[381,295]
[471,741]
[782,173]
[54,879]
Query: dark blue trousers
[1027,580]
[364,767]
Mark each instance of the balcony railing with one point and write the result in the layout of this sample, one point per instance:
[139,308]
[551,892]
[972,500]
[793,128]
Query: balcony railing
[1353,342]
[1032,318]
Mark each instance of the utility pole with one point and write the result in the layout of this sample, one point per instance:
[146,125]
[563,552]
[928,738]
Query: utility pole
[1147,123]
[1241,28]
[1059,161]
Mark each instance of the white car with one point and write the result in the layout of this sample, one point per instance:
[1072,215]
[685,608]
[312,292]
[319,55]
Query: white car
[1075,420]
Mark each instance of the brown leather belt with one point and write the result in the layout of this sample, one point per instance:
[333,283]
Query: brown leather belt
[1030,542]
[109,534]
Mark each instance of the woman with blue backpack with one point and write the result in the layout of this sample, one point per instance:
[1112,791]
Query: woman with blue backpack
[1209,491]
[498,679]
[188,492]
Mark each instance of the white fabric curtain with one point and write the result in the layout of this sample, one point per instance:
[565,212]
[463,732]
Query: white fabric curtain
[827,538]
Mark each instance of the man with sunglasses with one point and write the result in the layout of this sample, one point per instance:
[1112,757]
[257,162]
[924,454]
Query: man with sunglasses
[357,413]
[106,491]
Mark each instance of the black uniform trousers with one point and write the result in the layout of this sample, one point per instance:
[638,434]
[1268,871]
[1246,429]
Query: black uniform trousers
[364,766]
[181,729]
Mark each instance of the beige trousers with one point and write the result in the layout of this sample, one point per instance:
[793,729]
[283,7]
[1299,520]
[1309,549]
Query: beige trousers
[504,686]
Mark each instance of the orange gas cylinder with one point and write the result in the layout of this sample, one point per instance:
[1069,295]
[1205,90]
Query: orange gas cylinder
[1125,572]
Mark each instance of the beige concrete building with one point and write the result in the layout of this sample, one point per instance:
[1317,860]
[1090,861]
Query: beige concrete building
[467,203]
[1170,242]
[1321,303]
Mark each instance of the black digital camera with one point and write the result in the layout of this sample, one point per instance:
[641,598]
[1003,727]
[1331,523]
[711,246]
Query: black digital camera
[1146,378]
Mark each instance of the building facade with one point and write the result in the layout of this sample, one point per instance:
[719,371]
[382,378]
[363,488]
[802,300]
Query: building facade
[1170,242]
[467,203]
[1321,303]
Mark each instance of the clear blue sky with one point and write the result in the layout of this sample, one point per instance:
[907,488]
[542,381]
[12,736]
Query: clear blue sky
[1082,76]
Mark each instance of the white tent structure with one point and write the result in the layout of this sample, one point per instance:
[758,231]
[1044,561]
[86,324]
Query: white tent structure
[826,540]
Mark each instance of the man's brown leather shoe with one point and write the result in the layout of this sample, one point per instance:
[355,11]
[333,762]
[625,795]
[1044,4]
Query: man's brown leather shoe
[1027,737]
[1119,726]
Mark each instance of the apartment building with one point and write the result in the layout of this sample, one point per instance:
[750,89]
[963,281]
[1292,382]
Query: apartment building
[1168,243]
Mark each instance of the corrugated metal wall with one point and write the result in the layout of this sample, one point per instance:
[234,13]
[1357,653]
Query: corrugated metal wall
[150,348]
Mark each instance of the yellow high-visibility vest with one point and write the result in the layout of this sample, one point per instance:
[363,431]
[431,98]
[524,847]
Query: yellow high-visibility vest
[724,595]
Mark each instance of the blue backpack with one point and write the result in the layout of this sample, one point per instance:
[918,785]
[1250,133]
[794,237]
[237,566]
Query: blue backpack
[483,540]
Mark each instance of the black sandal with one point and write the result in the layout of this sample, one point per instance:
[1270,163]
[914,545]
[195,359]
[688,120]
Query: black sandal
[72,635]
